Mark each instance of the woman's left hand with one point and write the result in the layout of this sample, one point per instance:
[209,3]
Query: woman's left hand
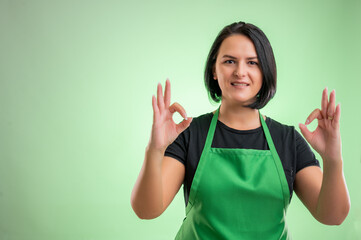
[326,139]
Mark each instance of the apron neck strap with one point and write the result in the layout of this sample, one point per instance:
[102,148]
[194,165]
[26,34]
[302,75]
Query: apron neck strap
[267,133]
[213,125]
[212,129]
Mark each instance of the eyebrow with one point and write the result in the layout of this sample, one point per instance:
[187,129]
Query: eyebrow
[229,56]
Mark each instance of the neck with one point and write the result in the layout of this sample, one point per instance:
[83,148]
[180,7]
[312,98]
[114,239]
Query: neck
[239,117]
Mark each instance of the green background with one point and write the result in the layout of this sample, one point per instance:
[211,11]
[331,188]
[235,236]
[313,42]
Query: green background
[76,80]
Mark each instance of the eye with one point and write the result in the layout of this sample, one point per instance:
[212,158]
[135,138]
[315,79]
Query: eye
[229,61]
[253,63]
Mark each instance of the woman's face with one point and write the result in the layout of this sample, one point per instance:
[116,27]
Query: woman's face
[237,70]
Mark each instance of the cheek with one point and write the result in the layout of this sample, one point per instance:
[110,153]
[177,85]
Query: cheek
[223,72]
[257,76]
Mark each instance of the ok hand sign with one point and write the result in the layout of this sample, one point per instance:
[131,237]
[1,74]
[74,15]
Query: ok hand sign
[326,139]
[164,129]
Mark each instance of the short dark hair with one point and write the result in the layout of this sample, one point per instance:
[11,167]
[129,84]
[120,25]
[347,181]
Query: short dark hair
[265,56]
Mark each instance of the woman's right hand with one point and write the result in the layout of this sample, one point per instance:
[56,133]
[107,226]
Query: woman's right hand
[164,129]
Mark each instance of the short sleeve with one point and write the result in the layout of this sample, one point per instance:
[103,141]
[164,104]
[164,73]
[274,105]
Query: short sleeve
[304,154]
[178,149]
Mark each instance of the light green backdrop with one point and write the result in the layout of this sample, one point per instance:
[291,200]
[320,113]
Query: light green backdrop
[76,80]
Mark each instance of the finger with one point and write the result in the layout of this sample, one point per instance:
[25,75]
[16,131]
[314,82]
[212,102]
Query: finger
[155,108]
[305,132]
[337,116]
[167,93]
[160,97]
[315,114]
[183,125]
[324,103]
[176,107]
[331,105]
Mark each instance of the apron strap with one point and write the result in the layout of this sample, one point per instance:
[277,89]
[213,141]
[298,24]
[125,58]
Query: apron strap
[277,161]
[212,129]
[206,148]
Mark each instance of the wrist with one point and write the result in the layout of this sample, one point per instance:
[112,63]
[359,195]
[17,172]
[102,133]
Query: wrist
[330,164]
[154,150]
[332,159]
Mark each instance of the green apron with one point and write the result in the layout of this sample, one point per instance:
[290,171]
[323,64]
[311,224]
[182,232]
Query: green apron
[237,194]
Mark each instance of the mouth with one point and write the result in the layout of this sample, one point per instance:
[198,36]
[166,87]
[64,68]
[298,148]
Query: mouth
[240,84]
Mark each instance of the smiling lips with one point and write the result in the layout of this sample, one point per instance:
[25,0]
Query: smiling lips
[239,84]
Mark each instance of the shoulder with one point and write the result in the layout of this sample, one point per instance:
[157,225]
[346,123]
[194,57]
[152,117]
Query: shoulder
[196,130]
[280,130]
[204,118]
[201,123]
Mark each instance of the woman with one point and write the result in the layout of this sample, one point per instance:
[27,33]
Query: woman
[239,168]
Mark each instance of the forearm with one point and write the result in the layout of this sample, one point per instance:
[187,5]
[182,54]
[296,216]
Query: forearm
[333,203]
[147,196]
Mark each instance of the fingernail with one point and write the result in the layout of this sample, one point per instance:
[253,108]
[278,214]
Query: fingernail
[307,121]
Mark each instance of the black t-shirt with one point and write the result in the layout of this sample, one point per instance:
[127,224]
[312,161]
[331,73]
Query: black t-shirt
[292,149]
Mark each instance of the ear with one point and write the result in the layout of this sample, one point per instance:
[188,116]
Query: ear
[214,72]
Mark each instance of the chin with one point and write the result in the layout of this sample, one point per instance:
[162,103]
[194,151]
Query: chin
[244,101]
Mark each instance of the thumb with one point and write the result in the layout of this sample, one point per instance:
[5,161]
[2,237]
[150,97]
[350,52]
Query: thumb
[305,132]
[183,125]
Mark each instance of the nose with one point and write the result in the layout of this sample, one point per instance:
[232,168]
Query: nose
[240,70]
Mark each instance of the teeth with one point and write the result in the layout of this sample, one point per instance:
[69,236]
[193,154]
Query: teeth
[239,84]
